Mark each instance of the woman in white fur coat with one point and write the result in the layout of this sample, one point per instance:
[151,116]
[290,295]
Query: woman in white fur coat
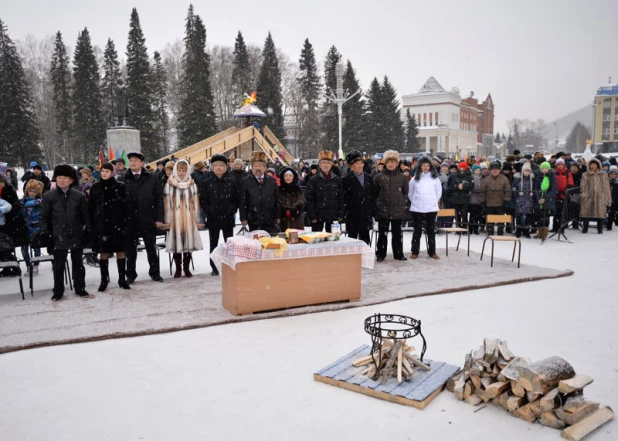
[182,211]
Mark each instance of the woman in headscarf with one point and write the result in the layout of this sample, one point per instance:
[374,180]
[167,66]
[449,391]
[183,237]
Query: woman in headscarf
[595,196]
[182,211]
[292,200]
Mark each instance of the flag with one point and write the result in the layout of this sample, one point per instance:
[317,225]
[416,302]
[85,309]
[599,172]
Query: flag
[101,157]
[117,153]
[125,157]
[110,154]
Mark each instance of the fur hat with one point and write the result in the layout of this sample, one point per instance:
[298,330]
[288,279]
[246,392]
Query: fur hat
[33,184]
[313,166]
[326,155]
[199,165]
[86,171]
[463,165]
[507,166]
[64,170]
[354,156]
[258,157]
[391,155]
[495,166]
[170,165]
[217,158]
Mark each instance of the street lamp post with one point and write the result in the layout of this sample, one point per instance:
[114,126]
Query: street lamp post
[340,97]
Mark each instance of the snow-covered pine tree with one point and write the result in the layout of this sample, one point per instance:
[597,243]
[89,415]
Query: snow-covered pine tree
[242,81]
[88,124]
[309,136]
[392,123]
[63,106]
[412,142]
[139,87]
[497,139]
[353,113]
[269,93]
[111,74]
[19,133]
[161,126]
[196,119]
[330,118]
[375,133]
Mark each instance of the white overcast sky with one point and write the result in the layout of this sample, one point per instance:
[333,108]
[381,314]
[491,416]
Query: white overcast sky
[538,58]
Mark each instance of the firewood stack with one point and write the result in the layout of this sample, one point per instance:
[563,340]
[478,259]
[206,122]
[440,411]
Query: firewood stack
[547,391]
[398,361]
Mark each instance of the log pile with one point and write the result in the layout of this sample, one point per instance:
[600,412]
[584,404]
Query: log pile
[547,391]
[398,361]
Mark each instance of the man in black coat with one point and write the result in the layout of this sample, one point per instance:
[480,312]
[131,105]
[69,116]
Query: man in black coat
[358,199]
[36,173]
[146,206]
[324,195]
[259,198]
[237,172]
[64,214]
[219,199]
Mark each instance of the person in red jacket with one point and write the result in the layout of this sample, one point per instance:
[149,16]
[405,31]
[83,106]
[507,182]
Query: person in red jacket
[564,179]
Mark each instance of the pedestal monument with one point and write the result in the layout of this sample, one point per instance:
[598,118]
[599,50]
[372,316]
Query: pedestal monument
[122,136]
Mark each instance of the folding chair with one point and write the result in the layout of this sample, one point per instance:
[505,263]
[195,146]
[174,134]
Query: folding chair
[501,219]
[7,246]
[450,212]
[44,240]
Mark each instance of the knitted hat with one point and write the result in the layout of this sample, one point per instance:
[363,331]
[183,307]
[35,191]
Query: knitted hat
[35,185]
[483,166]
[107,166]
[546,165]
[37,167]
[463,165]
[444,164]
[217,158]
[354,156]
[495,166]
[238,161]
[525,167]
[559,161]
[391,155]
[613,168]
[33,163]
[258,157]
[326,155]
[64,170]
[437,159]
[475,167]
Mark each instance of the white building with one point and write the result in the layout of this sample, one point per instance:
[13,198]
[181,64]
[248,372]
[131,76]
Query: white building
[446,124]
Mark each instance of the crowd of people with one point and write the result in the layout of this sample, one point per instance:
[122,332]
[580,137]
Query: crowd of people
[111,207]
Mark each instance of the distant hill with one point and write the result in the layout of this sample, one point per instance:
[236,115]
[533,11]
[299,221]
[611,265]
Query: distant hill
[566,123]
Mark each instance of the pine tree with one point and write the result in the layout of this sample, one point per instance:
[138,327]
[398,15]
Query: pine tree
[19,133]
[63,106]
[139,87]
[510,144]
[412,142]
[111,75]
[196,120]
[497,139]
[330,118]
[354,126]
[375,119]
[392,123]
[269,93]
[88,124]
[309,81]
[241,74]
[161,122]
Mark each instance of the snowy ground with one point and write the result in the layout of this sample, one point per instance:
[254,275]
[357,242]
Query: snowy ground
[254,380]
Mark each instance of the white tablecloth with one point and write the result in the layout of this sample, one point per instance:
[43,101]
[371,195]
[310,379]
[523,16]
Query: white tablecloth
[322,249]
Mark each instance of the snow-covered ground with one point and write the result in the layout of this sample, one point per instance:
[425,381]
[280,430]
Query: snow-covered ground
[253,381]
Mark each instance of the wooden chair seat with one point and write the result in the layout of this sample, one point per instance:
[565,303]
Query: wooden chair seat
[504,238]
[493,219]
[453,230]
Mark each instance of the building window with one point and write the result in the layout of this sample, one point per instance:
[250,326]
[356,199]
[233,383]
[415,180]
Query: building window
[436,119]
[606,104]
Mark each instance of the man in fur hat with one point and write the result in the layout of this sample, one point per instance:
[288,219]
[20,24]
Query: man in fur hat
[324,194]
[64,215]
[358,198]
[259,199]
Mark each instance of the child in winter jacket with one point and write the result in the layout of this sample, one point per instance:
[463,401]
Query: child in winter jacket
[475,208]
[5,207]
[31,207]
[564,181]
[523,194]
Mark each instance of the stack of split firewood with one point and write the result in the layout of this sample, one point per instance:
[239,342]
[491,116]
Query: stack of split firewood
[398,361]
[547,390]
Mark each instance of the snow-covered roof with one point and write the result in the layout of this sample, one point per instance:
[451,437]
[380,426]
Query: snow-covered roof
[608,89]
[431,85]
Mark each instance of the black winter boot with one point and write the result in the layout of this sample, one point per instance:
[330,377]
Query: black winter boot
[178,262]
[122,282]
[186,262]
[600,226]
[585,227]
[104,267]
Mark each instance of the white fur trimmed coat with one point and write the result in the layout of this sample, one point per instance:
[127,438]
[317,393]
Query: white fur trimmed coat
[182,213]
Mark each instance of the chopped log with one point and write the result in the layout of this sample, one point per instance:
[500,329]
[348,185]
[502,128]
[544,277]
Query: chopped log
[496,371]
[515,403]
[517,389]
[584,411]
[578,431]
[531,396]
[510,371]
[400,363]
[450,384]
[386,370]
[486,381]
[490,350]
[551,401]
[467,390]
[550,419]
[573,404]
[578,382]
[542,376]
[497,388]
[505,351]
[476,381]
[474,400]
[535,407]
[408,367]
[526,413]
[364,360]
[481,394]
[414,360]
[503,400]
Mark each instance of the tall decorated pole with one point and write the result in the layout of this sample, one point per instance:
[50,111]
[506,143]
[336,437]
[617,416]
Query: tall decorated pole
[340,97]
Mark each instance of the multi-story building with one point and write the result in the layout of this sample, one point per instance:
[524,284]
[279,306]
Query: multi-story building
[447,124]
[605,119]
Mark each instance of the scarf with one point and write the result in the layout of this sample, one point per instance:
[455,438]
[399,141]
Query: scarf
[545,183]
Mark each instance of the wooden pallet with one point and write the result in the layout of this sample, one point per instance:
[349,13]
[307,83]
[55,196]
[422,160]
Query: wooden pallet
[417,392]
